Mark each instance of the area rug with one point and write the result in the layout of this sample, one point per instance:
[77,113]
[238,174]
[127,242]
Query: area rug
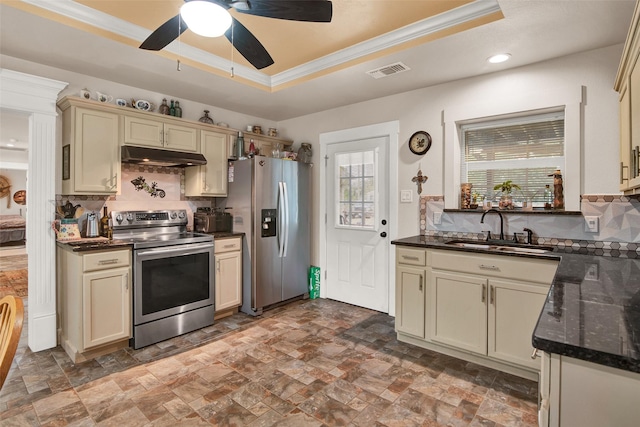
[13,282]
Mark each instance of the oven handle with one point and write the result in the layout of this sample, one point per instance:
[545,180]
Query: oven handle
[187,249]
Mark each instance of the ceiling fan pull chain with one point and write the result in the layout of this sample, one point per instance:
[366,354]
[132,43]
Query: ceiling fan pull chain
[179,43]
[232,74]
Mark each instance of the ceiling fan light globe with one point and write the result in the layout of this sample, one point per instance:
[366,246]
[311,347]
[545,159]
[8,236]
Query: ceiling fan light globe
[205,18]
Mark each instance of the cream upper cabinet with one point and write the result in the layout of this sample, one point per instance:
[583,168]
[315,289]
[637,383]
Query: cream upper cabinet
[90,150]
[159,134]
[228,253]
[628,86]
[210,179]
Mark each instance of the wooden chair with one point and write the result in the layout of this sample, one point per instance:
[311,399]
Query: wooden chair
[11,316]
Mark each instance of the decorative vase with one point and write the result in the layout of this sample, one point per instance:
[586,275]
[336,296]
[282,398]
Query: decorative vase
[206,118]
[164,108]
[506,202]
[305,152]
[465,195]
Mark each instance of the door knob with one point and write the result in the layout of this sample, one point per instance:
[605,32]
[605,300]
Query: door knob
[383,234]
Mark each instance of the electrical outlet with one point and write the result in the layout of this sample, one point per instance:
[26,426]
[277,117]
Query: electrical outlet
[437,218]
[591,224]
[406,196]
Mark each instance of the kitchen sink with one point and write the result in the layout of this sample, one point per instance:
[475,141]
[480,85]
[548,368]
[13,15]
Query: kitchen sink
[501,245]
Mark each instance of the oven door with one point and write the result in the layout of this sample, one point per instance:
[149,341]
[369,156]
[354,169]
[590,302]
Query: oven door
[171,280]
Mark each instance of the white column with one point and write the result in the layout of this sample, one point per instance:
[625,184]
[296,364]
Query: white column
[37,96]
[41,242]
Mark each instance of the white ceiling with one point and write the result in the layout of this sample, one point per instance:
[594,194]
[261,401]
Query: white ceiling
[531,31]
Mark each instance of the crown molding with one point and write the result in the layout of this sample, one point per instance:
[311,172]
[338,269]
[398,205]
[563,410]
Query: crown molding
[92,17]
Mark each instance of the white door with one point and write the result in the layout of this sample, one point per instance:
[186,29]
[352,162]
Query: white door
[357,240]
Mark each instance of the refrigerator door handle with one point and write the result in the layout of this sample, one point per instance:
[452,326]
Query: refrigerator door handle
[286,219]
[281,224]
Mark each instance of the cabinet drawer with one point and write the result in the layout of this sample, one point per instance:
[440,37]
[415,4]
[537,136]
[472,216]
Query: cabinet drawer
[104,260]
[529,269]
[228,245]
[411,256]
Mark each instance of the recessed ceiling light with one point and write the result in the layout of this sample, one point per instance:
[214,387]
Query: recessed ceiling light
[501,57]
[10,145]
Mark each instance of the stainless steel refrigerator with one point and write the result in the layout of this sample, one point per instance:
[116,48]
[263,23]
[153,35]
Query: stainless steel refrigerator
[269,200]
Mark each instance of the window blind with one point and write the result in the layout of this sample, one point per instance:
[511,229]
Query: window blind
[524,150]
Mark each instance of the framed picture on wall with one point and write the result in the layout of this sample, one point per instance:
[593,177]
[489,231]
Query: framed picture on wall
[66,153]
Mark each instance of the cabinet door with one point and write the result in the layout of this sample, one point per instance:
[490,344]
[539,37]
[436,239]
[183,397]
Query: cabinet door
[459,311]
[210,179]
[228,280]
[625,139]
[95,158]
[634,122]
[180,138]
[410,300]
[514,309]
[106,306]
[138,131]
[214,176]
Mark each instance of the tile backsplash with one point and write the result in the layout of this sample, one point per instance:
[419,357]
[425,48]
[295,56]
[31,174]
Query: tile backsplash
[618,218]
[168,179]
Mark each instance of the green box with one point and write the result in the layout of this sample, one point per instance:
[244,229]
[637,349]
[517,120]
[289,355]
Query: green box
[314,282]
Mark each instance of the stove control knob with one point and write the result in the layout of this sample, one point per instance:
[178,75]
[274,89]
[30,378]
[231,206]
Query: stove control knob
[130,217]
[182,214]
[119,219]
[174,215]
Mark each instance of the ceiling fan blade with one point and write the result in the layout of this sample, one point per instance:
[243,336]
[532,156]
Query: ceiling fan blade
[165,34]
[248,45]
[293,10]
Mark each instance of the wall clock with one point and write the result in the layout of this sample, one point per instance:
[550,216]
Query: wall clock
[420,142]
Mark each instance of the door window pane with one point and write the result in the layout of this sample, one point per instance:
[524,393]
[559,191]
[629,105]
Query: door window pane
[356,186]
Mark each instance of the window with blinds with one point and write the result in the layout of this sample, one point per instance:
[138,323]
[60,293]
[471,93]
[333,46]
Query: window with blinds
[525,150]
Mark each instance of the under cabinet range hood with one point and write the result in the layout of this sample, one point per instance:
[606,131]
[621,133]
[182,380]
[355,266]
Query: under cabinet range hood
[155,157]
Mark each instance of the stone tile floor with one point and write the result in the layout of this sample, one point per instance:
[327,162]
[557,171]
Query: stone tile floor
[309,363]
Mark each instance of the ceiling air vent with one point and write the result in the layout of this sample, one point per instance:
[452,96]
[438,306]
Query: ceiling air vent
[388,70]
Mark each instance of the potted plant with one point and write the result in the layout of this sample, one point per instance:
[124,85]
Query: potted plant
[506,200]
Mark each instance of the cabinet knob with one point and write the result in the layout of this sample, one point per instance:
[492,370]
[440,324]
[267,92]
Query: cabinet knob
[383,234]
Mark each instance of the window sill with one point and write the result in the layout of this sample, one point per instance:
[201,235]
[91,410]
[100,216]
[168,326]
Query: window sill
[537,211]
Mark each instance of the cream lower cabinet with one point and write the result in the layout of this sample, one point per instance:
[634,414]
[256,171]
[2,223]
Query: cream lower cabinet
[411,291]
[159,134]
[210,179]
[458,311]
[95,302]
[228,277]
[90,150]
[477,307]
[575,392]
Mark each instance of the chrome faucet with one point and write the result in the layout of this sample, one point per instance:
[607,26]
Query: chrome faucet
[501,221]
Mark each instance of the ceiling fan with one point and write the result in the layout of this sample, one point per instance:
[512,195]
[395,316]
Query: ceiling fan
[242,39]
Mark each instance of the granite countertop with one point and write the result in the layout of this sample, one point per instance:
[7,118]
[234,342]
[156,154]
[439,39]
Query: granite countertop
[225,235]
[592,310]
[93,244]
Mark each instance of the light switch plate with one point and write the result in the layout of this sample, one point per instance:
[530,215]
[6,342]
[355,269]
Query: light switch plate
[437,218]
[591,224]
[406,196]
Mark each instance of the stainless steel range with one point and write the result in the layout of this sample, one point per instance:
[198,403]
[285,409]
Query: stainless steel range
[173,275]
